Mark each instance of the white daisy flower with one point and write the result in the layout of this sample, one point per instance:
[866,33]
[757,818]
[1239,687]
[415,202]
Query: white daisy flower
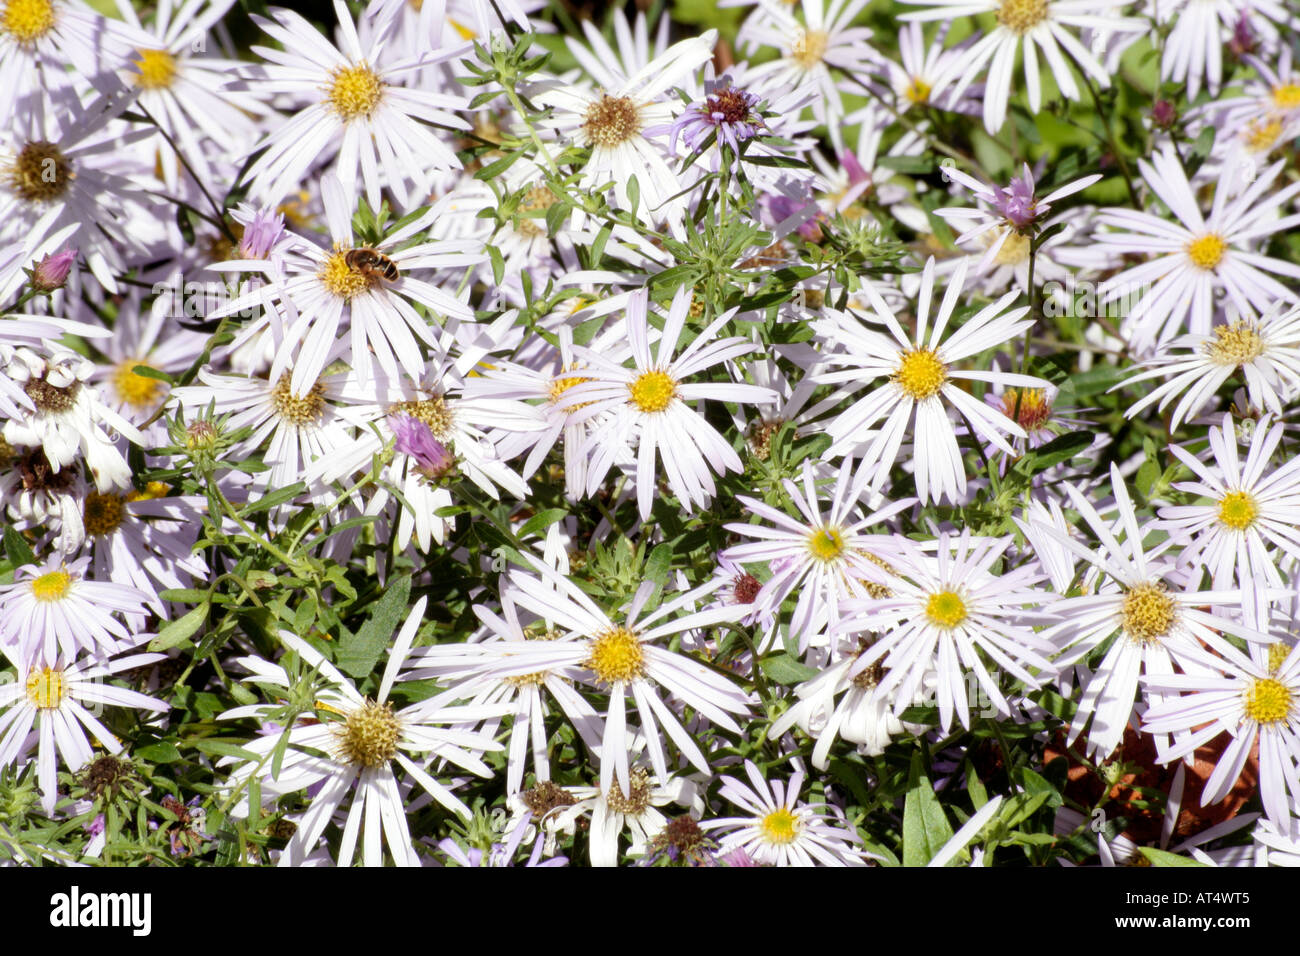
[68,421]
[1193,50]
[1252,700]
[1041,25]
[51,611]
[780,830]
[646,405]
[351,750]
[825,559]
[634,812]
[921,387]
[1265,351]
[1154,623]
[626,659]
[613,123]
[60,700]
[1201,259]
[360,114]
[948,612]
[1252,516]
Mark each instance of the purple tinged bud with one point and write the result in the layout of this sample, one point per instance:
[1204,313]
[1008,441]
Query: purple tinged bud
[1163,113]
[415,438]
[51,273]
[1016,202]
[261,235]
[854,168]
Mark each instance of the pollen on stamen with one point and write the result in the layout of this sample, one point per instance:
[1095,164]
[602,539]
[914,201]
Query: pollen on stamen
[633,803]
[826,544]
[369,736]
[355,92]
[1029,407]
[28,20]
[1021,16]
[52,586]
[653,391]
[1207,251]
[611,121]
[1267,701]
[616,656]
[945,609]
[433,412]
[52,399]
[297,409]
[39,173]
[1238,510]
[102,514]
[1148,612]
[340,279]
[138,391]
[1234,344]
[809,47]
[920,374]
[157,69]
[780,826]
[46,688]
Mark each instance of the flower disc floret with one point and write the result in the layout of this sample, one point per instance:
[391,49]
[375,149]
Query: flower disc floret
[635,802]
[809,47]
[157,69]
[1021,16]
[369,736]
[138,391]
[297,409]
[102,514]
[945,609]
[355,92]
[1268,701]
[28,20]
[46,688]
[616,656]
[1148,612]
[1234,344]
[52,586]
[920,374]
[40,172]
[1207,251]
[780,826]
[611,121]
[1238,510]
[826,544]
[653,391]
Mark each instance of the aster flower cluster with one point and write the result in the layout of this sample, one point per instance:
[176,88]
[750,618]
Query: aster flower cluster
[443,435]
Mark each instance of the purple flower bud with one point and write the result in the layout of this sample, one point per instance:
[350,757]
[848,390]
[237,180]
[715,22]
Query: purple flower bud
[261,235]
[783,207]
[414,438]
[1163,113]
[51,273]
[1016,202]
[854,168]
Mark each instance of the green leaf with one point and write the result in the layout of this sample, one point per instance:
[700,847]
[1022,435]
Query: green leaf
[498,263]
[357,654]
[224,748]
[1059,449]
[494,169]
[164,751]
[539,522]
[277,497]
[786,670]
[1164,858]
[925,826]
[181,629]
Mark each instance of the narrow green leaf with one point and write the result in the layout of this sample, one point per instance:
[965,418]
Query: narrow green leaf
[357,655]
[181,629]
[925,826]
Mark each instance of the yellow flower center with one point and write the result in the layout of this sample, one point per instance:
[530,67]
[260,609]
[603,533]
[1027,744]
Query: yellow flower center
[39,173]
[103,514]
[1148,612]
[616,656]
[780,827]
[1014,251]
[1234,344]
[945,609]
[340,279]
[1268,701]
[653,391]
[918,91]
[464,32]
[537,199]
[1262,135]
[1028,406]
[635,803]
[297,409]
[138,391]
[155,489]
[28,20]
[52,586]
[46,688]
[1207,251]
[157,69]
[433,412]
[1238,510]
[369,736]
[562,384]
[1287,96]
[920,374]
[809,47]
[1021,16]
[610,121]
[826,544]
[355,91]
[1278,652]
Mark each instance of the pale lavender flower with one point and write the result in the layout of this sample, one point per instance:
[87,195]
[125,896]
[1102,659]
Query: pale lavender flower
[415,438]
[261,235]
